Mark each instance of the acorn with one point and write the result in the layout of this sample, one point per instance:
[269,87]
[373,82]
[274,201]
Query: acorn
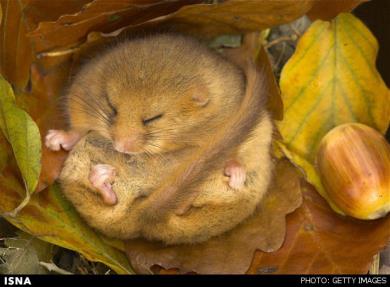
[353,161]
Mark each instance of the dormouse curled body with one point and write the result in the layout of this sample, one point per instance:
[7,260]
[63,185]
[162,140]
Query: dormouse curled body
[152,95]
[216,209]
[180,112]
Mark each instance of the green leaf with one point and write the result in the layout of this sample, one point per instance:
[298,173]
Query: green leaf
[23,134]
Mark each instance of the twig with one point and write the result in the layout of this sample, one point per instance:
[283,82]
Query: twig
[295,30]
[51,267]
[57,53]
[281,39]
[279,60]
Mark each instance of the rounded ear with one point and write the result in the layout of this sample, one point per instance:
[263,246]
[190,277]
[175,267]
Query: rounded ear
[200,95]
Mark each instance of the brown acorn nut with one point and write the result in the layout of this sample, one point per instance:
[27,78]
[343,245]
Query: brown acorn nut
[353,161]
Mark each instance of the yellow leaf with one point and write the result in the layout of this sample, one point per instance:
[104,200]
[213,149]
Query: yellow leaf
[331,79]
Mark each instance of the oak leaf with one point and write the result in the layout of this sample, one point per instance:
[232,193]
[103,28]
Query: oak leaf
[320,241]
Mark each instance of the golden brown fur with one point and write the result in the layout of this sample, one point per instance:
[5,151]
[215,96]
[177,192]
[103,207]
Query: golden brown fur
[166,74]
[172,187]
[216,209]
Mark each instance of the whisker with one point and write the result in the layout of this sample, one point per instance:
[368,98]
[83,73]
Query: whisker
[95,105]
[155,151]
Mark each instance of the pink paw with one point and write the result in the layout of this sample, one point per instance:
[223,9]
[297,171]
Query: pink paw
[101,177]
[55,139]
[237,174]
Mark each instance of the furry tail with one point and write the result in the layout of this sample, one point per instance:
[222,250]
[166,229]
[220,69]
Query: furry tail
[179,188]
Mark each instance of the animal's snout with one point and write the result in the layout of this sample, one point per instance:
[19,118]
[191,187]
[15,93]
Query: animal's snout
[128,145]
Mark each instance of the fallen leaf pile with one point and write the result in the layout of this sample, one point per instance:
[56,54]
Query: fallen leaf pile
[330,79]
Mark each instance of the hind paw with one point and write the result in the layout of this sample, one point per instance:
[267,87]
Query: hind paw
[102,177]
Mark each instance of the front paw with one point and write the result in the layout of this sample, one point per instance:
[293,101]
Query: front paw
[236,173]
[55,139]
[102,177]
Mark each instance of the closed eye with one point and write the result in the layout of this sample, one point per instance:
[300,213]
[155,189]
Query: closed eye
[149,120]
[114,111]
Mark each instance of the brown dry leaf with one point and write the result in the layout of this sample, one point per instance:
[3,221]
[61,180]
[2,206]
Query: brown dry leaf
[320,241]
[99,15]
[235,16]
[232,252]
[204,20]
[36,11]
[20,17]
[15,48]
[328,9]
